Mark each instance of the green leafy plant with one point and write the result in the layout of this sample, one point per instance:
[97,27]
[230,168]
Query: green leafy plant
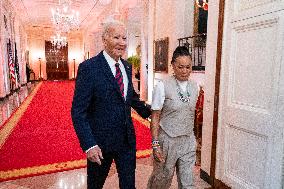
[135,61]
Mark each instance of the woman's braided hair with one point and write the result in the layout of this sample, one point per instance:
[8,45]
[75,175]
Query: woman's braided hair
[180,51]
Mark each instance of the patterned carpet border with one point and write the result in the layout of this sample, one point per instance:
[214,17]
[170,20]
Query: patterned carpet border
[140,119]
[10,124]
[52,168]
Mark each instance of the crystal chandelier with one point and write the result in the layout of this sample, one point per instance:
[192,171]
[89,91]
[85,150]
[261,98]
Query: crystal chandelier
[53,50]
[63,18]
[58,41]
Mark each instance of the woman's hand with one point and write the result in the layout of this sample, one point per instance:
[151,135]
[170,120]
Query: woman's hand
[158,156]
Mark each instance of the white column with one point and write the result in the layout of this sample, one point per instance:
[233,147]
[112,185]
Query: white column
[151,37]
[2,89]
[144,57]
[2,86]
[208,110]
[4,83]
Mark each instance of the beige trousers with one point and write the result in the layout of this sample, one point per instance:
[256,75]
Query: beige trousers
[179,154]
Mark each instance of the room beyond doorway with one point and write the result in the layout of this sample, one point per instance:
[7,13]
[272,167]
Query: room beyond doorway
[56,62]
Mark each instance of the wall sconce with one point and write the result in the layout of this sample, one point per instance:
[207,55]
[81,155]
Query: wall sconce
[74,67]
[39,77]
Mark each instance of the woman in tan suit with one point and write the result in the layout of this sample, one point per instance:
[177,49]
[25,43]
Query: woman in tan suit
[173,110]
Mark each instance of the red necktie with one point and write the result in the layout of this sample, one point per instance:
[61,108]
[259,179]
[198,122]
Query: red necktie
[119,79]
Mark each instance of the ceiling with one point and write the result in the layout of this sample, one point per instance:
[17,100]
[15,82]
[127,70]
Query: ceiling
[37,13]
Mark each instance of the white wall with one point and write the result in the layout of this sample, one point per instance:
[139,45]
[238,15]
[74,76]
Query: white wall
[75,53]
[15,33]
[167,18]
[36,42]
[92,42]
[209,84]
[134,19]
[199,77]
[3,81]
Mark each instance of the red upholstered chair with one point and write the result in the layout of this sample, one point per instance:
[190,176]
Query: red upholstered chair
[198,124]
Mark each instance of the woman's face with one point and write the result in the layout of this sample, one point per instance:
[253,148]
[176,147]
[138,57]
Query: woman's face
[182,67]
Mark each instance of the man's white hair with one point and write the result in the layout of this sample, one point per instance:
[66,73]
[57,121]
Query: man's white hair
[111,23]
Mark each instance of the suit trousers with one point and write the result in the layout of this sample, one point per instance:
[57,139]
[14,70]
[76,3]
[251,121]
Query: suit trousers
[125,160]
[179,154]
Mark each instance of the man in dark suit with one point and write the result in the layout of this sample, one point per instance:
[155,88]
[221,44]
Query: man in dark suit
[101,111]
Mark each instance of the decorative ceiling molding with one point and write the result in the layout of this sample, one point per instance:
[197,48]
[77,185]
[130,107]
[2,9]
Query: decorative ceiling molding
[37,13]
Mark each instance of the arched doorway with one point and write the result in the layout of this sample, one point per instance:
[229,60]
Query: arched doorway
[56,62]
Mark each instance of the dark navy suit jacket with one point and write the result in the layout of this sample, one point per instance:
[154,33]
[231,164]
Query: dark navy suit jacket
[101,116]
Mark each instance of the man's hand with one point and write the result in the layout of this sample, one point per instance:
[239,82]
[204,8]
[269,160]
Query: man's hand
[158,156]
[95,155]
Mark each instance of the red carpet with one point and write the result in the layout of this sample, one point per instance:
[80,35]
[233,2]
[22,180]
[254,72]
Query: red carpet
[40,138]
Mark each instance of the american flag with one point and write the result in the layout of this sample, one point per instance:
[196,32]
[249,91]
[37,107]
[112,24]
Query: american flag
[17,64]
[11,64]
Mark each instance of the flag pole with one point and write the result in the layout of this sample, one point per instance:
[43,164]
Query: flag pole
[39,77]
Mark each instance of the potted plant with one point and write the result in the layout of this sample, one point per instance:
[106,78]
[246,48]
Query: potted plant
[135,61]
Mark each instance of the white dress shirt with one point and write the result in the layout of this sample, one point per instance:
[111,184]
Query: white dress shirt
[111,62]
[158,96]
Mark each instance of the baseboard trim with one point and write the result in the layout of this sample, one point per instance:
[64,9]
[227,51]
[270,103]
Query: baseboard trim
[204,176]
[215,183]
[24,84]
[220,185]
[2,98]
[5,97]
[12,92]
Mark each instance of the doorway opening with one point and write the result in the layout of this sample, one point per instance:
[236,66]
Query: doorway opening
[56,62]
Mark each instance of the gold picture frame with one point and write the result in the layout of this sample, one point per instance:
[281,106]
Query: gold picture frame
[161,55]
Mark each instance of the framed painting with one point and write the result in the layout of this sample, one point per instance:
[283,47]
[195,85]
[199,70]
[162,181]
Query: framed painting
[27,54]
[161,55]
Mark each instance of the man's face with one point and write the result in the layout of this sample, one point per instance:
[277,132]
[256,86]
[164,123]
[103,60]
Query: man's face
[115,42]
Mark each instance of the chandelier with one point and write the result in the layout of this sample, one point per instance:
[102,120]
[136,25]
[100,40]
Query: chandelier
[63,18]
[58,41]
